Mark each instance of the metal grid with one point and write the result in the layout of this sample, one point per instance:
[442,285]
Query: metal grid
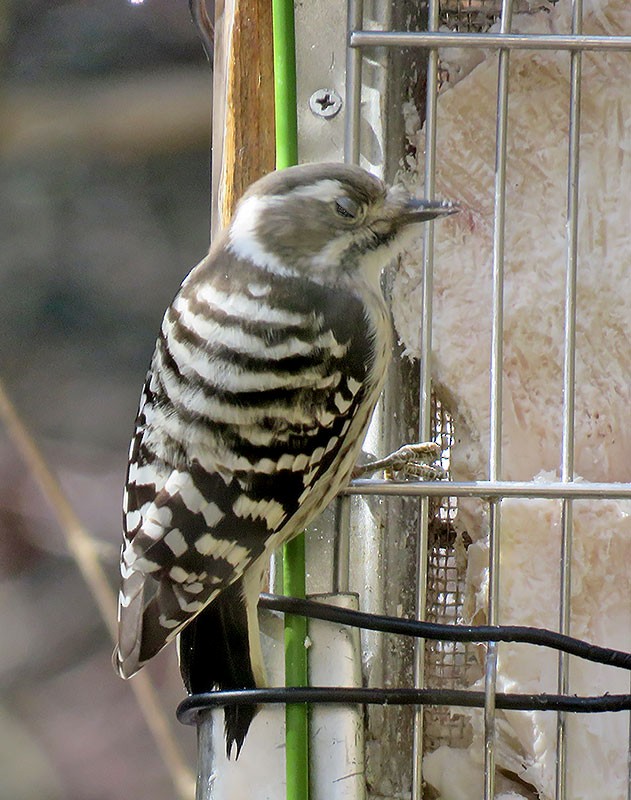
[478,16]
[469,15]
[447,665]
[475,17]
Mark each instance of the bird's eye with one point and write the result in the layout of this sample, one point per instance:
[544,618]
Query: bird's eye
[347,207]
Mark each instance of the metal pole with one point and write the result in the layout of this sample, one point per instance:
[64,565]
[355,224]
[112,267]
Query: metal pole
[489,41]
[425,399]
[496,376]
[353,85]
[569,391]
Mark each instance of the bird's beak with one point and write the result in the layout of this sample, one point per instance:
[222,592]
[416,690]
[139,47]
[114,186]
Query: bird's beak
[416,210]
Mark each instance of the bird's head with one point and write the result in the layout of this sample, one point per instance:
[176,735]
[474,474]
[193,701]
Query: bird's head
[326,219]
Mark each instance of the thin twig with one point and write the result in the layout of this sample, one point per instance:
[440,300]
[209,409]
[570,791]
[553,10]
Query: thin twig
[82,549]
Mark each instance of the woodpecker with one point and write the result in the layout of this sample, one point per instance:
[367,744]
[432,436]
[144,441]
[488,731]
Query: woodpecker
[263,380]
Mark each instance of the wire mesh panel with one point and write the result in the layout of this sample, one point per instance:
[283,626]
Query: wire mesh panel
[448,665]
[469,15]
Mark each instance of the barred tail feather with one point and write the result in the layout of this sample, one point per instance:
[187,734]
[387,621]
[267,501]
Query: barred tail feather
[150,619]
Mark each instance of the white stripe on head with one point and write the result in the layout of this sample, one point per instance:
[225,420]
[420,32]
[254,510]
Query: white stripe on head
[327,190]
[243,241]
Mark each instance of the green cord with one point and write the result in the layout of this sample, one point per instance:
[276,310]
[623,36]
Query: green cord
[285,83]
[296,715]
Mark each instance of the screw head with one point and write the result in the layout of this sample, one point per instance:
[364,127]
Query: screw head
[325,103]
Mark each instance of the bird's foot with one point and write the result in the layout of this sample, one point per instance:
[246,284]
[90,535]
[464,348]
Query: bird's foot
[410,461]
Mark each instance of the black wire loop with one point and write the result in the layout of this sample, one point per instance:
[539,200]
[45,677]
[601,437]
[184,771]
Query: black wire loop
[189,710]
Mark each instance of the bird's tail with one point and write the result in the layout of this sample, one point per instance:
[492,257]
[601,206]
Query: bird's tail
[215,654]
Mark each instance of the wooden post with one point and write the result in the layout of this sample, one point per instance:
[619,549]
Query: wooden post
[243,110]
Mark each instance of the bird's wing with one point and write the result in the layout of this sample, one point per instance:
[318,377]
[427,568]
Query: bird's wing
[197,536]
[190,533]
[192,530]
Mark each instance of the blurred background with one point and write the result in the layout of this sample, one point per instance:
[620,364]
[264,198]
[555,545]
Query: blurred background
[104,176]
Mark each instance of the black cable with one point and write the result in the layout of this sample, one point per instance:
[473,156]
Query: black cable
[452,633]
[189,709]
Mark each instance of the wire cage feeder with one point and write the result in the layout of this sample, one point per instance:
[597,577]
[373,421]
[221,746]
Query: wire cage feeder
[436,712]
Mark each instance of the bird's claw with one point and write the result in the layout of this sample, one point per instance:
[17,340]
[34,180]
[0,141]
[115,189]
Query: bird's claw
[410,461]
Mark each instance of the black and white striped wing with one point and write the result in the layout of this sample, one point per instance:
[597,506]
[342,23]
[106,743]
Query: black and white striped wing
[188,545]
[250,422]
